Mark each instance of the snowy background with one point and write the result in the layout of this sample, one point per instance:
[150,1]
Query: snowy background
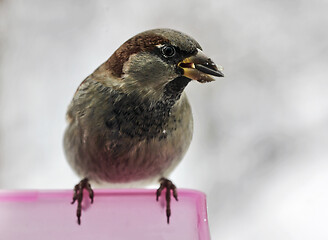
[260,148]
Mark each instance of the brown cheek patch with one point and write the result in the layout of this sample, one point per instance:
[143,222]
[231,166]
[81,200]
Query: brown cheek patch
[141,42]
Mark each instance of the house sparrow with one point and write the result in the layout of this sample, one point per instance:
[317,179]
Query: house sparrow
[130,121]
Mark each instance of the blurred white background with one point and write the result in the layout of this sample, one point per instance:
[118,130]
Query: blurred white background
[260,148]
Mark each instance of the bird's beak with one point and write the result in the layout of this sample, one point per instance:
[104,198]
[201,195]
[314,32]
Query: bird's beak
[200,68]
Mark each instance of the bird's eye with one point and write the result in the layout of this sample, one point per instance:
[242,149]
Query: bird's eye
[168,51]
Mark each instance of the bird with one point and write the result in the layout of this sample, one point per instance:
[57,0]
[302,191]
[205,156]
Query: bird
[130,121]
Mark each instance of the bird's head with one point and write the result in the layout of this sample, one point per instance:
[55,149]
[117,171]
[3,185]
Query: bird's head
[150,60]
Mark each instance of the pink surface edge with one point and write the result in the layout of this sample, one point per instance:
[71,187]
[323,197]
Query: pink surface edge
[14,196]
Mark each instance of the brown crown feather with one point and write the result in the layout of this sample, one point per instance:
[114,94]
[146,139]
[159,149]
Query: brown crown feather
[138,43]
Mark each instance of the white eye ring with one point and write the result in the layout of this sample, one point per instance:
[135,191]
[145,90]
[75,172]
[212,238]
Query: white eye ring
[168,51]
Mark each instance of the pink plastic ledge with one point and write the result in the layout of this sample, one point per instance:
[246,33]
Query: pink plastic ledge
[115,214]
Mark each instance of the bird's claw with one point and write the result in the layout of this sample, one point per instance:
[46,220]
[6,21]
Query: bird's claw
[169,186]
[78,196]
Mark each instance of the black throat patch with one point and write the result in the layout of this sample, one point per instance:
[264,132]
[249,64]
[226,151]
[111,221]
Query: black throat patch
[141,118]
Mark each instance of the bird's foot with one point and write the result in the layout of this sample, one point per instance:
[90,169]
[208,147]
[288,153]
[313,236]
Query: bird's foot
[78,195]
[169,186]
